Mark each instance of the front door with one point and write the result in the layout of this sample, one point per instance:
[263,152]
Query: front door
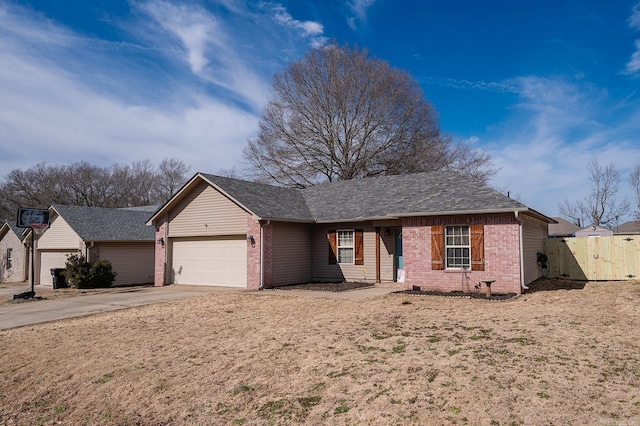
[398,254]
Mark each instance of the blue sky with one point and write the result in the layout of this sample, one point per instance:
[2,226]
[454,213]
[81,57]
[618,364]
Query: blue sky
[543,86]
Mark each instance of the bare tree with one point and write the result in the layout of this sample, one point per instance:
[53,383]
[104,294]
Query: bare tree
[339,114]
[83,184]
[574,212]
[172,174]
[601,207]
[634,181]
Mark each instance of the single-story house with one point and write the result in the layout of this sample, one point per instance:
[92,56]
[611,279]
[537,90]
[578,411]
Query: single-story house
[594,231]
[117,235]
[437,231]
[14,260]
[562,228]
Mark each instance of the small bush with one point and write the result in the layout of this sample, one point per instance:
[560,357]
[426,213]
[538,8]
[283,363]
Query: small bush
[81,274]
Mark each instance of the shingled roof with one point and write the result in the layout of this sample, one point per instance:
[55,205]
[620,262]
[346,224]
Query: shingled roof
[419,194]
[384,197]
[107,224]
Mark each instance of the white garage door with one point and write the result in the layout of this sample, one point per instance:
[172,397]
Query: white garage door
[219,261]
[50,260]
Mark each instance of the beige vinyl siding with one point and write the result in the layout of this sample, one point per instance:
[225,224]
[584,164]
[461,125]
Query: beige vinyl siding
[17,270]
[291,253]
[387,253]
[321,270]
[216,261]
[49,260]
[534,232]
[206,212]
[133,262]
[59,235]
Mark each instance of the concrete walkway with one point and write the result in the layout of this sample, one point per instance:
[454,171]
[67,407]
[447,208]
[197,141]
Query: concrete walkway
[21,314]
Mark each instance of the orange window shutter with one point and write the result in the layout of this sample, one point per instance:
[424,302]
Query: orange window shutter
[477,247]
[359,246]
[332,237]
[437,247]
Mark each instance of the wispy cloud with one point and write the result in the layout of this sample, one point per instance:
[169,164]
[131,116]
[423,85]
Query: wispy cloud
[312,30]
[633,66]
[359,8]
[490,86]
[634,19]
[185,82]
[555,129]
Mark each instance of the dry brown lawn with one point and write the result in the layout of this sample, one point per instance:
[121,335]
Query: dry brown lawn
[556,356]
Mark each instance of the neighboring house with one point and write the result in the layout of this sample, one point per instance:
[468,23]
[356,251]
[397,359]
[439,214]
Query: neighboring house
[437,231]
[117,235]
[627,228]
[14,254]
[593,231]
[562,228]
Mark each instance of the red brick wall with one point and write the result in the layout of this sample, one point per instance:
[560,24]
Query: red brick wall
[161,252]
[501,250]
[254,254]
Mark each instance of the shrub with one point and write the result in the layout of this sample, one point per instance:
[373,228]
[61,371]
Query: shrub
[81,274]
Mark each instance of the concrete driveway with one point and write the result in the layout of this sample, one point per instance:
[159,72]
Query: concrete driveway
[38,311]
[21,314]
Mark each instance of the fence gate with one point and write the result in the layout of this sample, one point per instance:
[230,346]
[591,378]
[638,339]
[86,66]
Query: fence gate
[594,258]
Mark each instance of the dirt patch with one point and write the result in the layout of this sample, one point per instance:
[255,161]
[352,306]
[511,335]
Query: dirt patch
[331,287]
[272,358]
[458,294]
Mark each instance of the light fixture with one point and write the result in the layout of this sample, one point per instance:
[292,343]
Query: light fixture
[387,232]
[252,240]
[161,241]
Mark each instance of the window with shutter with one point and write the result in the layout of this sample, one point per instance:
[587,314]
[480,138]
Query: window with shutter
[457,247]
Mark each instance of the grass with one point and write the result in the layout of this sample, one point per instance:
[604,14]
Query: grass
[274,358]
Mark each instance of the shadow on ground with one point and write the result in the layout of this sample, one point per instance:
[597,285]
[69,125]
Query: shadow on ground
[554,284]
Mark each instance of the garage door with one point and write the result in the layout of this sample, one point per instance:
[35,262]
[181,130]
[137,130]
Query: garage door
[219,262]
[50,260]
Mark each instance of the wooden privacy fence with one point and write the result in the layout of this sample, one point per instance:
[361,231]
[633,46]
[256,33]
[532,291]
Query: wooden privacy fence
[594,258]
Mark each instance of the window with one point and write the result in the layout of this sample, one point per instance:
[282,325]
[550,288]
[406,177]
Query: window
[457,246]
[345,246]
[9,257]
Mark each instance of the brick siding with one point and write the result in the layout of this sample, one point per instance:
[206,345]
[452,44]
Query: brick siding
[160,252]
[254,254]
[501,250]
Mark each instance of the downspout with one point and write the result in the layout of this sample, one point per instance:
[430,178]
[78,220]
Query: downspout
[87,248]
[519,219]
[262,254]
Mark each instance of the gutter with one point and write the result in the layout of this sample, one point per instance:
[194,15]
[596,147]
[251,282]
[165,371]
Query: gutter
[262,253]
[460,212]
[519,219]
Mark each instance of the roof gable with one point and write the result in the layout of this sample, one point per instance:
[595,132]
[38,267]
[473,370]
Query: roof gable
[265,201]
[10,226]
